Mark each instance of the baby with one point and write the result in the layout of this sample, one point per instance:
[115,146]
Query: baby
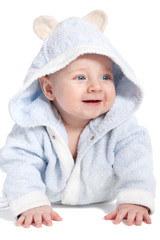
[75,138]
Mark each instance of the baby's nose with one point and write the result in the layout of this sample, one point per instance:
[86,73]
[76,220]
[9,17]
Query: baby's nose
[94,86]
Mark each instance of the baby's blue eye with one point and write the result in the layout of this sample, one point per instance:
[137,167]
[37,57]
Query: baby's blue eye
[105,77]
[80,78]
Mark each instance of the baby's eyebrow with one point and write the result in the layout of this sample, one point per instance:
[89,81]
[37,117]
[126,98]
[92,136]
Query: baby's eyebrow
[106,70]
[109,70]
[77,70]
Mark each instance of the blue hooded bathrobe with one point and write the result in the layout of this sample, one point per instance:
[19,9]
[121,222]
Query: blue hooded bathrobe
[114,156]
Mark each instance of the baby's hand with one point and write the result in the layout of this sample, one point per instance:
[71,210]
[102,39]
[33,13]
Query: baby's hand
[131,212]
[37,216]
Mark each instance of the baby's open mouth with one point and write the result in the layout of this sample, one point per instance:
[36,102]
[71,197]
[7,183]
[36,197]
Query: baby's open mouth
[92,101]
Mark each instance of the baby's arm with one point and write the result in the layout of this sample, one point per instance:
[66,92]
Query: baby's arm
[37,216]
[131,212]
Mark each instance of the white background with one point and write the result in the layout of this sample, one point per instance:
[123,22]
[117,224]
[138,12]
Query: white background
[134,30]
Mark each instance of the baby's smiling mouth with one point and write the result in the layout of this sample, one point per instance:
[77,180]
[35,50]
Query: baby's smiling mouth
[92,102]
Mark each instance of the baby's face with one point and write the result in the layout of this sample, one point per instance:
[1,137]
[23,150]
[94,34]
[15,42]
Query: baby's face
[85,88]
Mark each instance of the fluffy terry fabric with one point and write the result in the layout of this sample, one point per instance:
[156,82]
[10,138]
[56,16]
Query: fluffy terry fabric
[114,157]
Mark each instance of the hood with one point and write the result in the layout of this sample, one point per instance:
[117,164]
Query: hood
[63,43]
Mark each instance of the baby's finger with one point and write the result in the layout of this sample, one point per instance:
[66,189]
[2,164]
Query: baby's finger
[28,221]
[20,221]
[120,216]
[111,215]
[139,219]
[47,219]
[55,216]
[38,220]
[131,217]
[147,218]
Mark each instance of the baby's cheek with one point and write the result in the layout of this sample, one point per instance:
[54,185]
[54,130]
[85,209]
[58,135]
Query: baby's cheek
[109,102]
[111,95]
[71,97]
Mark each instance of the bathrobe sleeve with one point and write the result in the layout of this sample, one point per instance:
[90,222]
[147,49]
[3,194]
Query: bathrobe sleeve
[23,162]
[134,167]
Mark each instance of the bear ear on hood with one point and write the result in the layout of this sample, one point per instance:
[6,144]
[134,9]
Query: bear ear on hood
[44,25]
[98,18]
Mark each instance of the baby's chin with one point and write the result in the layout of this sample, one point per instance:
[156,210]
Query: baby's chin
[98,115]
